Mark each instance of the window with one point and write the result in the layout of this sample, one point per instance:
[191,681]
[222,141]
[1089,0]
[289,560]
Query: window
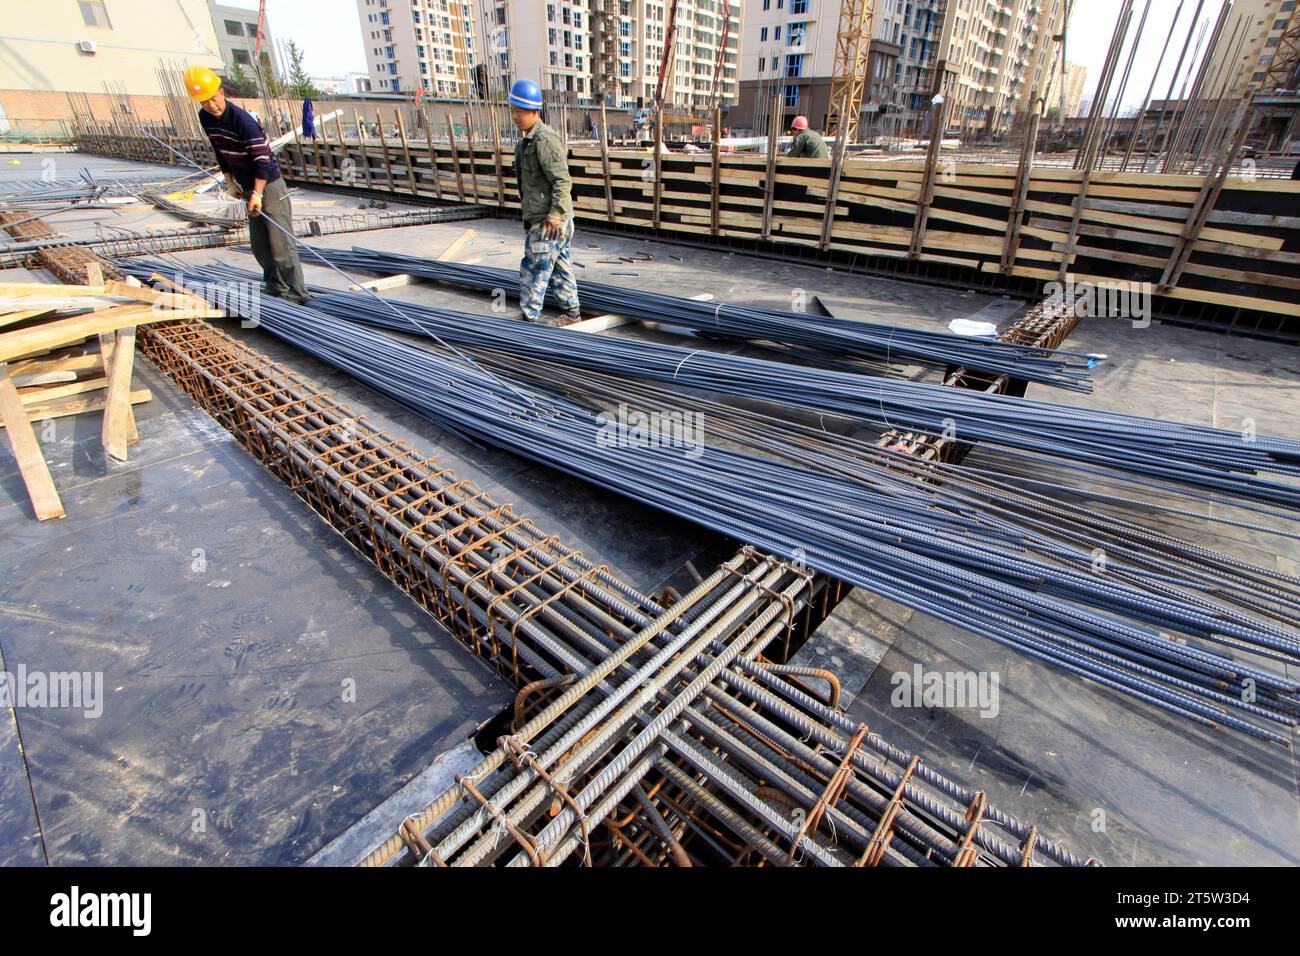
[241,57]
[794,65]
[798,6]
[762,35]
[233,27]
[776,33]
[94,13]
[792,97]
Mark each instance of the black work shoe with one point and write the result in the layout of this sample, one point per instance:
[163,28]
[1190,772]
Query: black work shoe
[568,318]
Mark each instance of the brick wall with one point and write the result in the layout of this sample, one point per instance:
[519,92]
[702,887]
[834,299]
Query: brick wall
[38,109]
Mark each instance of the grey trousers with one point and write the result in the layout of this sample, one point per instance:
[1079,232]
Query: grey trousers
[276,253]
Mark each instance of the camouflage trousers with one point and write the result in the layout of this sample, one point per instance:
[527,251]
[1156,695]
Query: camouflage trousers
[547,265]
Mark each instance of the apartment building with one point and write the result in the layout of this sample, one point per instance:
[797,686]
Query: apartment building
[996,52]
[427,45]
[1064,91]
[591,51]
[84,45]
[236,30]
[788,50]
[999,52]
[1264,22]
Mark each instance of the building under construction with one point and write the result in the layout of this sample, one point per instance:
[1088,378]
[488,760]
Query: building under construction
[890,509]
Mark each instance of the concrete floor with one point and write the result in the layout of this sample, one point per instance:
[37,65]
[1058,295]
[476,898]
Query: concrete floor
[122,788]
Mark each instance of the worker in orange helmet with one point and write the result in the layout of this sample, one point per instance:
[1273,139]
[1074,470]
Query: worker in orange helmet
[807,142]
[245,159]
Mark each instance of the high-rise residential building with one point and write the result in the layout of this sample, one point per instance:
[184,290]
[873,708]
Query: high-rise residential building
[996,52]
[1064,91]
[427,45]
[1245,64]
[592,51]
[236,29]
[788,51]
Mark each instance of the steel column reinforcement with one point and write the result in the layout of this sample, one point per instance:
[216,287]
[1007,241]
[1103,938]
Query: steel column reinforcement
[628,707]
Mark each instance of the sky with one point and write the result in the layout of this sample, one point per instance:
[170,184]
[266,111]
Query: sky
[330,35]
[1089,34]
[328,32]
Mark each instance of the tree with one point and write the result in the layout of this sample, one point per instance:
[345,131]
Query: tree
[238,83]
[300,85]
[273,85]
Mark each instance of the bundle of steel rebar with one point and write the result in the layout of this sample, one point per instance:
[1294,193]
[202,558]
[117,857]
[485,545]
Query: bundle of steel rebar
[1150,635]
[1211,463]
[622,700]
[836,338]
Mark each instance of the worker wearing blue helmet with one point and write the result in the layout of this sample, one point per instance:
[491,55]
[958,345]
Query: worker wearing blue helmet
[542,172]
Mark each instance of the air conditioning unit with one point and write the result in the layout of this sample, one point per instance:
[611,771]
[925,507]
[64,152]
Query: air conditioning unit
[87,46]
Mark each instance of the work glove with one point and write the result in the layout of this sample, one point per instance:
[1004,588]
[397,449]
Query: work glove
[553,227]
[254,205]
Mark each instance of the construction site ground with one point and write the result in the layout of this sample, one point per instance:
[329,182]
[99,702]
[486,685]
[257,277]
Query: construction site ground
[227,618]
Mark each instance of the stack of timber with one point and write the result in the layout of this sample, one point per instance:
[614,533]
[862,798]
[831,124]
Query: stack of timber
[999,225]
[70,349]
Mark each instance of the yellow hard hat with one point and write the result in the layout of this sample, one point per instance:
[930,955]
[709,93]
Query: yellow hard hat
[201,83]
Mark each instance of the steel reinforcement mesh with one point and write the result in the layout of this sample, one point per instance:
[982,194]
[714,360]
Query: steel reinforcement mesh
[645,732]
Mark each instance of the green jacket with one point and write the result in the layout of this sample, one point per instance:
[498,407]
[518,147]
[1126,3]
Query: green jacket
[809,143]
[542,171]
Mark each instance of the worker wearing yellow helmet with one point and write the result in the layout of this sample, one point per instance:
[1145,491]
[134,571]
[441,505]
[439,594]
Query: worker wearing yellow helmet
[246,160]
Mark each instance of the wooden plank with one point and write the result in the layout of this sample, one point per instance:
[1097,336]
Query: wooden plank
[658,147]
[715,185]
[107,346]
[63,331]
[433,157]
[35,394]
[455,159]
[49,288]
[69,363]
[601,323]
[27,451]
[473,156]
[13,318]
[361,141]
[769,179]
[453,250]
[496,155]
[387,282]
[604,163]
[406,152]
[383,143]
[926,199]
[118,426]
[75,406]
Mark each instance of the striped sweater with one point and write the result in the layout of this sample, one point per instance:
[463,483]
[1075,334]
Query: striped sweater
[241,146]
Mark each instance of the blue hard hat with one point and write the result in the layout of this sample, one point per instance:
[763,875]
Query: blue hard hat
[526,94]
